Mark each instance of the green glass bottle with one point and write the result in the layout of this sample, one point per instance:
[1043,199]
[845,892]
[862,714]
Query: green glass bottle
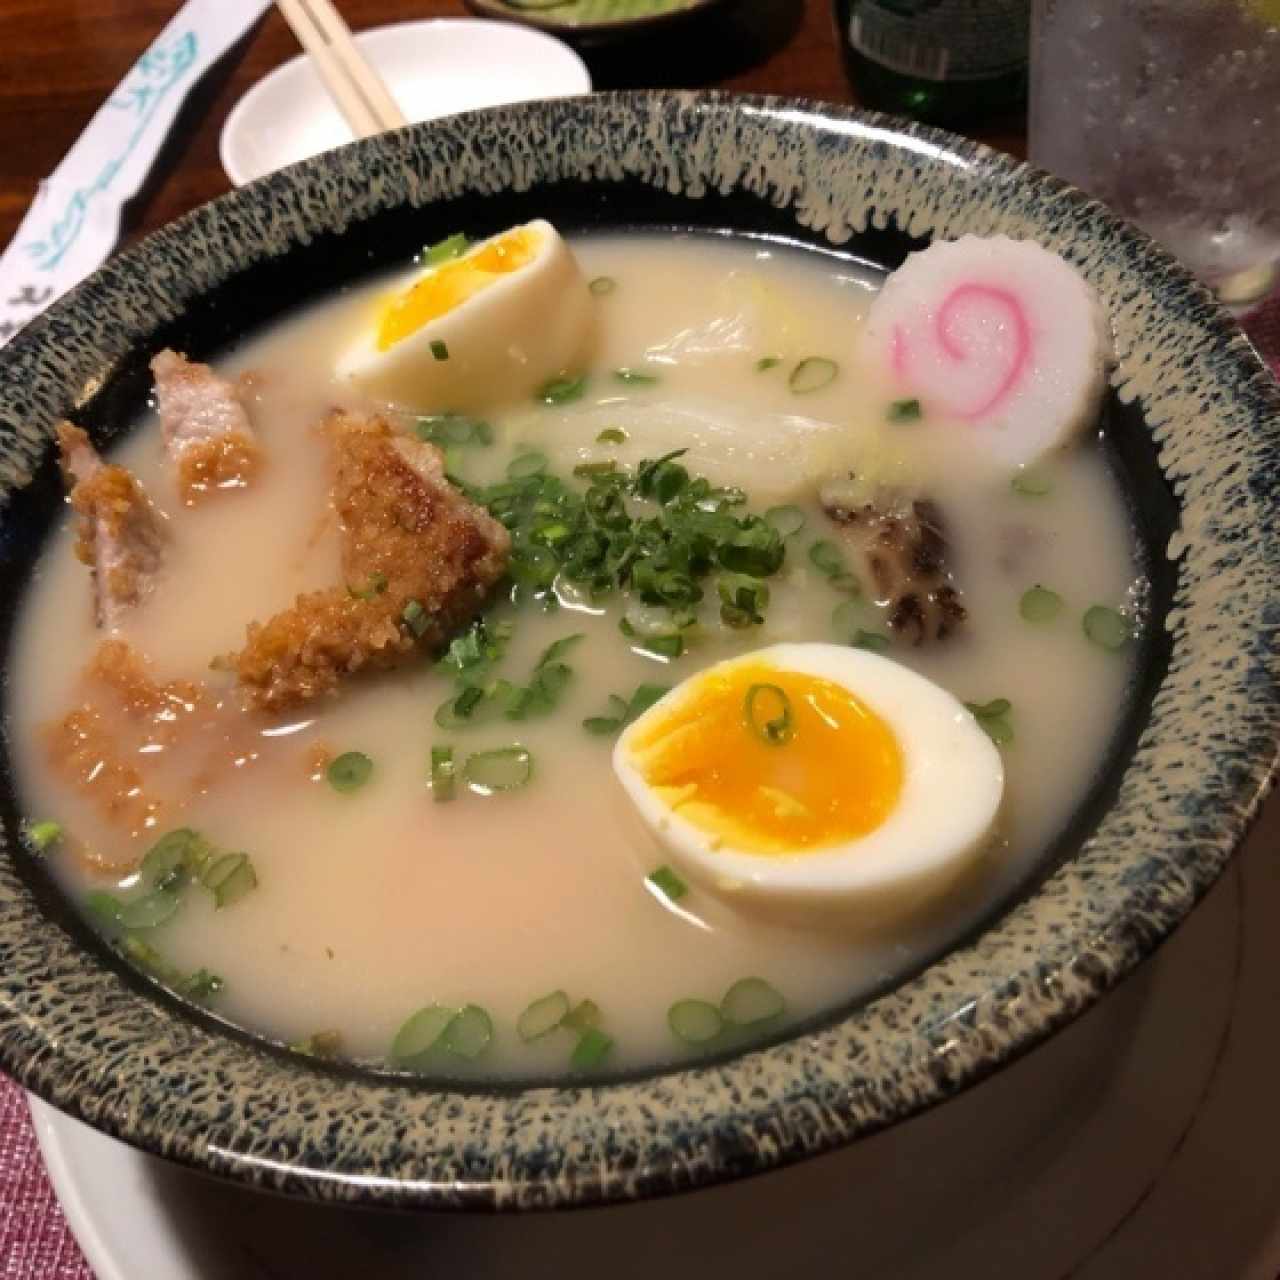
[944,61]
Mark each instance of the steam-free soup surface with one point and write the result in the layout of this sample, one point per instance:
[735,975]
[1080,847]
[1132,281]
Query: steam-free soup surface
[374,903]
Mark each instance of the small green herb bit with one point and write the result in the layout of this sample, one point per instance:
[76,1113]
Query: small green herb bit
[151,910]
[765,363]
[583,1016]
[420,1034]
[447,429]
[826,558]
[812,374]
[993,719]
[320,1044]
[1031,482]
[743,600]
[1106,628]
[592,1047]
[767,711]
[1039,604]
[750,1001]
[668,883]
[542,1016]
[504,769]
[42,836]
[439,349]
[786,520]
[634,376]
[530,463]
[469,1032]
[905,411]
[229,878]
[177,855]
[200,986]
[871,641]
[349,771]
[695,1021]
[623,710]
[612,435]
[105,907]
[562,390]
[442,774]
[601,285]
[445,250]
[415,618]
[373,587]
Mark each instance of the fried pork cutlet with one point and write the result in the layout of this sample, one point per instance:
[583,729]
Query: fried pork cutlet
[206,428]
[418,559]
[120,535]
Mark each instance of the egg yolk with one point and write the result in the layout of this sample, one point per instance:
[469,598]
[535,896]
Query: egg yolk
[450,285]
[773,762]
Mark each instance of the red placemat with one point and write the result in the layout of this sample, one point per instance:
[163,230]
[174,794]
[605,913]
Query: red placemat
[35,1241]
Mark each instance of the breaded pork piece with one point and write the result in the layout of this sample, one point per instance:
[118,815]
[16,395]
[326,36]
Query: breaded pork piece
[206,428]
[120,535]
[419,559]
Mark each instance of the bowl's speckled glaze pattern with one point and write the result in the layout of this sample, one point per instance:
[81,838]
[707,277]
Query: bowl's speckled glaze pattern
[104,1046]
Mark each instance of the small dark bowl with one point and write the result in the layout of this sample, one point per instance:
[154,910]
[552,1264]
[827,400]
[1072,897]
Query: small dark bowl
[1194,426]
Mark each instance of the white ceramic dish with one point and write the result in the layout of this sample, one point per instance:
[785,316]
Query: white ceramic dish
[1125,1148]
[434,68]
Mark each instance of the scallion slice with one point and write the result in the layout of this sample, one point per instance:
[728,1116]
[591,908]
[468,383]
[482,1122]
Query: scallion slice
[634,376]
[542,1016]
[562,390]
[1039,604]
[845,618]
[993,719]
[175,856]
[668,883]
[1106,628]
[502,769]
[765,363]
[105,907]
[767,711]
[200,986]
[349,771]
[445,250]
[786,520]
[320,1044]
[695,1021]
[442,774]
[585,470]
[524,465]
[905,411]
[42,836]
[1031,482]
[601,284]
[229,878]
[469,1032]
[453,429]
[612,435]
[439,349]
[583,1016]
[750,1001]
[592,1047]
[826,558]
[743,600]
[420,1034]
[871,641]
[812,374]
[415,618]
[149,911]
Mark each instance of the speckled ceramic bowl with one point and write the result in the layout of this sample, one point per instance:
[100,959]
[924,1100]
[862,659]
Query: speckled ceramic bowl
[1195,428]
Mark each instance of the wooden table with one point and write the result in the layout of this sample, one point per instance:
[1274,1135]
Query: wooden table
[59,59]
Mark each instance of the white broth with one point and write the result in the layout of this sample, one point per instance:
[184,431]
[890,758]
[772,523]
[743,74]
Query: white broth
[373,904]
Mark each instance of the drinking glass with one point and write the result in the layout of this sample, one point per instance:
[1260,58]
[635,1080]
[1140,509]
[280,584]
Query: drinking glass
[1169,112]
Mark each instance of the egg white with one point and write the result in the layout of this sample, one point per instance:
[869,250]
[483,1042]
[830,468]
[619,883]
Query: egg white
[952,785]
[504,342]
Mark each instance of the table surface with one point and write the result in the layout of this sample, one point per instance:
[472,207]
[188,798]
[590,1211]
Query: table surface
[59,59]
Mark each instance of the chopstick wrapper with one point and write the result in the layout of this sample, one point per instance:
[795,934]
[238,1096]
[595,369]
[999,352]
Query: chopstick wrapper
[74,222]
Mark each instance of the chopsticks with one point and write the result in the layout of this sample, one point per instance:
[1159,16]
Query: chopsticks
[356,88]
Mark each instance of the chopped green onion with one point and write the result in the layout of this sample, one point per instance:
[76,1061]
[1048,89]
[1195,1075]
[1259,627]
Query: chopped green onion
[624,710]
[668,646]
[786,520]
[1031,482]
[375,586]
[442,779]
[585,470]
[320,1044]
[200,986]
[777,729]
[905,411]
[528,464]
[349,771]
[149,911]
[439,349]
[583,1016]
[590,1050]
[743,600]
[668,883]
[229,878]
[176,855]
[453,429]
[993,719]
[602,726]
[812,374]
[558,648]
[644,697]
[415,618]
[601,284]
[503,769]
[562,390]
[145,956]
[1040,605]
[446,250]
[476,649]
[695,1021]
[469,1032]
[542,1016]
[420,1034]
[871,641]
[612,435]
[106,907]
[1106,628]
[765,363]
[750,1001]
[826,558]
[634,376]
[42,835]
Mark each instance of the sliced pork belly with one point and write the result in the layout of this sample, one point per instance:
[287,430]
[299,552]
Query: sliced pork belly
[120,535]
[418,559]
[205,426]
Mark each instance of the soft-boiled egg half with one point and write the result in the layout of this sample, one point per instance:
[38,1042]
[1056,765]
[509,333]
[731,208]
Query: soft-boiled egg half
[814,775]
[493,323]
